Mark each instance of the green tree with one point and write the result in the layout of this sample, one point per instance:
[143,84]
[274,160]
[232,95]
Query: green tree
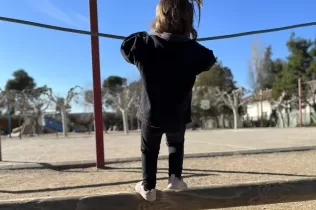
[112,87]
[21,81]
[218,76]
[299,59]
[311,70]
[296,66]
[114,84]
[262,73]
[285,87]
[309,91]
[268,71]
[263,69]
[286,82]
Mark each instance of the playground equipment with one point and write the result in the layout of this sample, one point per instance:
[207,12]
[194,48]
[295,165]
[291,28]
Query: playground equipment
[193,199]
[56,125]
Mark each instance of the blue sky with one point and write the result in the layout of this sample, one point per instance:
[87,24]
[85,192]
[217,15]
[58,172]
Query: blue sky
[62,60]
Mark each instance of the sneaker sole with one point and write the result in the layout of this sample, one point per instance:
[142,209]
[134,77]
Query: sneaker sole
[144,197]
[175,189]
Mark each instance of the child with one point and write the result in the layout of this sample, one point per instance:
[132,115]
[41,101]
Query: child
[169,62]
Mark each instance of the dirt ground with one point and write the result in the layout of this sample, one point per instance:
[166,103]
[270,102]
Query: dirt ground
[198,172]
[81,146]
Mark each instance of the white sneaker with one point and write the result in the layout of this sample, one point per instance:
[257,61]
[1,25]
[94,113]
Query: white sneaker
[148,195]
[176,183]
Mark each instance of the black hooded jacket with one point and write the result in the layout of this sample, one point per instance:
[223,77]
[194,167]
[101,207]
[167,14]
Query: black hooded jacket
[168,65]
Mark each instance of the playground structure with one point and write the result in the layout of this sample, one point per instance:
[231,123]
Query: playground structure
[49,124]
[55,124]
[204,198]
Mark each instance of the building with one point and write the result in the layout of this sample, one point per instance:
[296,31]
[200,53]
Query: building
[259,105]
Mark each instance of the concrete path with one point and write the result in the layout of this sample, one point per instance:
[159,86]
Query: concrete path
[80,147]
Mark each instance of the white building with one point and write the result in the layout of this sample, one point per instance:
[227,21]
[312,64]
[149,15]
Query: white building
[259,106]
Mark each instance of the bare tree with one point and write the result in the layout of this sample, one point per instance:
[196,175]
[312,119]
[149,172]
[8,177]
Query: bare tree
[39,104]
[30,105]
[261,73]
[122,100]
[233,100]
[18,100]
[276,106]
[8,102]
[281,108]
[89,99]
[22,107]
[135,88]
[2,101]
[255,67]
[63,104]
[309,95]
[2,108]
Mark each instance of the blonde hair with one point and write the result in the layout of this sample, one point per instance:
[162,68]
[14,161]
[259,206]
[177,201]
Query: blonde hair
[176,16]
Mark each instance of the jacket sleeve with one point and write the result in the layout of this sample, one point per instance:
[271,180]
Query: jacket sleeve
[206,59]
[132,47]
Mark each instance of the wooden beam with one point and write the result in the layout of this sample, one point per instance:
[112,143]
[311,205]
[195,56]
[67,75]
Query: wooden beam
[198,198]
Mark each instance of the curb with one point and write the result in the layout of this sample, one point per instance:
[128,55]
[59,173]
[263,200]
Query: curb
[91,163]
[208,197]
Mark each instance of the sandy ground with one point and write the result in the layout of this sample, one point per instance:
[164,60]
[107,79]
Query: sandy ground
[198,172]
[49,149]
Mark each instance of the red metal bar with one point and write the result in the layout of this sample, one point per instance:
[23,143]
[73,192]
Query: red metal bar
[96,84]
[300,102]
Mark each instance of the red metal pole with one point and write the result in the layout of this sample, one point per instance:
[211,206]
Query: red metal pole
[300,102]
[96,84]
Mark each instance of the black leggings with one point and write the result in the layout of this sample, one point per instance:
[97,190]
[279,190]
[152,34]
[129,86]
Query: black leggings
[150,146]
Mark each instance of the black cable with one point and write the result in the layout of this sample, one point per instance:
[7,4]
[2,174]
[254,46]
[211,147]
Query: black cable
[58,28]
[112,36]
